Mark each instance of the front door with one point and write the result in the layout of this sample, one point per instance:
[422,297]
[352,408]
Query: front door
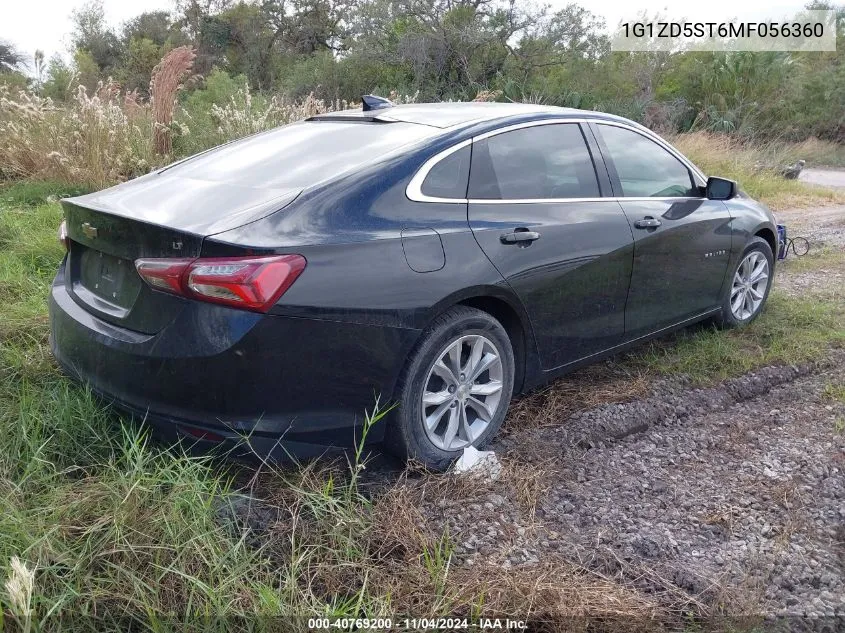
[682,240]
[535,209]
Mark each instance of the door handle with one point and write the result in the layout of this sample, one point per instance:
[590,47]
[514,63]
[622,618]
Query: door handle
[647,222]
[520,236]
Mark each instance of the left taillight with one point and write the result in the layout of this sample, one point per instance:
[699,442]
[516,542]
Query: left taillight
[251,283]
[63,234]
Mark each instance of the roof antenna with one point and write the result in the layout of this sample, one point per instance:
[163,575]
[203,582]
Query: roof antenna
[372,102]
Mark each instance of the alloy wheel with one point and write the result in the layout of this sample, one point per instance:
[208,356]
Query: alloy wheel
[749,285]
[462,392]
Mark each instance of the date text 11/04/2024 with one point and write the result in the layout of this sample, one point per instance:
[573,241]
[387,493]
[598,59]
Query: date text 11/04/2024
[417,624]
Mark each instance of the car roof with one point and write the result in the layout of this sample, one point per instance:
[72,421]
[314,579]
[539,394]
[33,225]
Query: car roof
[447,114]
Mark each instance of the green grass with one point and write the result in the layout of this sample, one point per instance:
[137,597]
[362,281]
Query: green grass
[816,259]
[111,523]
[819,153]
[118,526]
[33,194]
[789,331]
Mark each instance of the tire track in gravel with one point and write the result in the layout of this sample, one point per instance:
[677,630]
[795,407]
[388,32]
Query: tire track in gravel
[728,498]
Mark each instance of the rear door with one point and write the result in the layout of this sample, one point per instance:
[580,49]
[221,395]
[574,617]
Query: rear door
[536,210]
[682,240]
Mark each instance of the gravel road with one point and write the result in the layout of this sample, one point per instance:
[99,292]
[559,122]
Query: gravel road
[824,177]
[823,226]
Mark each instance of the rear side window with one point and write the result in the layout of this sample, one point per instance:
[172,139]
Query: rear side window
[540,162]
[448,178]
[644,168]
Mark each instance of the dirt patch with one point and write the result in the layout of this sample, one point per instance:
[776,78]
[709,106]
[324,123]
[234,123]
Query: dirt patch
[588,387]
[726,501]
[822,270]
[822,226]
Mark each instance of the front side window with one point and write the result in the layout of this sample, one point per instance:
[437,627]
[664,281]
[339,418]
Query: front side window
[644,168]
[533,163]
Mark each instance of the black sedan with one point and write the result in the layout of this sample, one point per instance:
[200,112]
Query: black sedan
[442,257]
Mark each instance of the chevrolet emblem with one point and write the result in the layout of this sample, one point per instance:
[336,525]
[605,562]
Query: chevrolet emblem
[89,231]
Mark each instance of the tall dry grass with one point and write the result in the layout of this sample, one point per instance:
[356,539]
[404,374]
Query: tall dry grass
[242,116]
[244,113]
[166,82]
[92,140]
[110,136]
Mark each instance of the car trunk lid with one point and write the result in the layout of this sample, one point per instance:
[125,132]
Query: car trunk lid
[109,230]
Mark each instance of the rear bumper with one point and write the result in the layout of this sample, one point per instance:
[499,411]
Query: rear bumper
[291,385]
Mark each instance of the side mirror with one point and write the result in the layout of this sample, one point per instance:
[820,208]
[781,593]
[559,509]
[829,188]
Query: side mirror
[720,188]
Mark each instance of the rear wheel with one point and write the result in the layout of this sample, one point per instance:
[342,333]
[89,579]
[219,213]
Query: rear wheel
[455,389]
[749,285]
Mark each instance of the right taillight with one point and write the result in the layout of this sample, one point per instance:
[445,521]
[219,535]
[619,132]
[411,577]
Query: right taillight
[251,283]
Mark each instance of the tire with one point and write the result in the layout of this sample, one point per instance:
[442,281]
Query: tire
[730,317]
[480,339]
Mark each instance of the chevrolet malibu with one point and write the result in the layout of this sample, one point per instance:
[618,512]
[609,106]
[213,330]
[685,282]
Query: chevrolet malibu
[443,257]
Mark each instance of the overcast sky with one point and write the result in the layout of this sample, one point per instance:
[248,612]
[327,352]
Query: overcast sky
[46,24]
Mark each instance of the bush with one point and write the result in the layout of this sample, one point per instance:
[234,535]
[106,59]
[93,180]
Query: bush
[226,109]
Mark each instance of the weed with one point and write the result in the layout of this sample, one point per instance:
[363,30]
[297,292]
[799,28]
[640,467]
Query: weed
[816,259]
[107,137]
[167,78]
[834,392]
[91,141]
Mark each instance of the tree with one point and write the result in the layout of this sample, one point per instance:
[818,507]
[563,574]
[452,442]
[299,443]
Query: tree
[10,58]
[86,71]
[60,80]
[557,60]
[198,20]
[92,35]
[309,26]
[155,26]
[140,58]
[449,48]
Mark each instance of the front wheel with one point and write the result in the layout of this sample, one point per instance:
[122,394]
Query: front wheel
[749,285]
[455,390]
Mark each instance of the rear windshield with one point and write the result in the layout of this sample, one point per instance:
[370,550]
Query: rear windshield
[298,155]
